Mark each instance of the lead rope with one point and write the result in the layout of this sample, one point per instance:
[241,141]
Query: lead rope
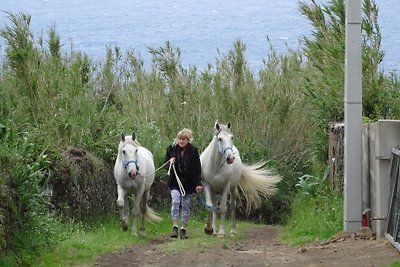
[159,168]
[144,176]
[181,189]
[201,195]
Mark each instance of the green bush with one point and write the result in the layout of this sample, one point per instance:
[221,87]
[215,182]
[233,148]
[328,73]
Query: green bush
[314,218]
[52,101]
[317,211]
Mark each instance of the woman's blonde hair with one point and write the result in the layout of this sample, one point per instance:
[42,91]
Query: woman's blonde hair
[185,133]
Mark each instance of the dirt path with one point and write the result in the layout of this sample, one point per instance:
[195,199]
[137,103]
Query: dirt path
[259,248]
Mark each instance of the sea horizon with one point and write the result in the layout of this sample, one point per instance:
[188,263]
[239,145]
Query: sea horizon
[202,30]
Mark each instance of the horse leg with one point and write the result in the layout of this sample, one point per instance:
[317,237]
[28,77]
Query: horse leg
[143,210]
[125,214]
[223,211]
[210,227]
[233,212]
[136,209]
[123,206]
[214,221]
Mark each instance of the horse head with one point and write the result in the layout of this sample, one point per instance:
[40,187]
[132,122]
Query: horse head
[129,153]
[225,141]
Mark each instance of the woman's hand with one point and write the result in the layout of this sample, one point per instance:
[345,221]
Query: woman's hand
[172,161]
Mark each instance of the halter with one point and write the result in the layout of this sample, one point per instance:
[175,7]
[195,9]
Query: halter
[126,163]
[225,149]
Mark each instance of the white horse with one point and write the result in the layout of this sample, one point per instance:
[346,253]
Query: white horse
[134,174]
[223,172]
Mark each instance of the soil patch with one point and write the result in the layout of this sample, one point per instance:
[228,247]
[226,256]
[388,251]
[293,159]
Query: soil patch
[260,247]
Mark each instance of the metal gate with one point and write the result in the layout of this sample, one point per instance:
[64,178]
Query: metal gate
[393,228]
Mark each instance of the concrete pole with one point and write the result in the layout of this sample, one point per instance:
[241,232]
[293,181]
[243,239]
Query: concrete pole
[352,119]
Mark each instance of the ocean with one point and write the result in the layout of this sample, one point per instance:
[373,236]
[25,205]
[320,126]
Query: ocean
[202,29]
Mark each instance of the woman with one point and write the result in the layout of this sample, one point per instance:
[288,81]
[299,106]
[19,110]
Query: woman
[184,160]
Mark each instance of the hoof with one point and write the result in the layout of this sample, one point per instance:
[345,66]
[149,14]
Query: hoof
[134,233]
[124,226]
[208,231]
[220,235]
[142,232]
[233,234]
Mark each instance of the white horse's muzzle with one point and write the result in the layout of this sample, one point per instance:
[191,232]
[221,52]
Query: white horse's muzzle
[230,159]
[132,173]
[229,155]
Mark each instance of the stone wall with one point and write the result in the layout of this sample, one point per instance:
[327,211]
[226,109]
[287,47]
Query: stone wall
[335,155]
[84,187]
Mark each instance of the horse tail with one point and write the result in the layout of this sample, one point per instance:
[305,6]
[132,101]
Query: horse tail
[256,181]
[151,215]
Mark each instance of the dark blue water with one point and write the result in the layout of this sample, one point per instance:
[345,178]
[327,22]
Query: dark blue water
[201,29]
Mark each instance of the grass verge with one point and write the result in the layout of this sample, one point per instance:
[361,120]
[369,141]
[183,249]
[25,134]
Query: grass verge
[313,219]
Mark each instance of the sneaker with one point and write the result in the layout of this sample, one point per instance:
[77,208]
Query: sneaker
[182,234]
[174,232]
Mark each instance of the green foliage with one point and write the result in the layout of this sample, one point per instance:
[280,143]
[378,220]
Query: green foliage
[309,184]
[393,264]
[324,78]
[52,101]
[35,227]
[317,211]
[308,187]
[22,56]
[314,218]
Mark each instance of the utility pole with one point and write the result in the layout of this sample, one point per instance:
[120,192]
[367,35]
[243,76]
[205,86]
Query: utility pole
[352,118]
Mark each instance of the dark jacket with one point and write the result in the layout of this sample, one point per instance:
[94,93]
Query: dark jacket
[188,168]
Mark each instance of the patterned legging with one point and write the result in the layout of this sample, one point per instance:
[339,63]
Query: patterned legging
[177,201]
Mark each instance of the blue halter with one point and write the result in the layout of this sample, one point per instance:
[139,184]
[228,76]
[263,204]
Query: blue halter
[225,149]
[131,161]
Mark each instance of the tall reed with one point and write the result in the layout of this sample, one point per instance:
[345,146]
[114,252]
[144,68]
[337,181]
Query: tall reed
[56,100]
[324,78]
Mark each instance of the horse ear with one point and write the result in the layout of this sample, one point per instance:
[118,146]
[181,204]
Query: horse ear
[133,136]
[229,125]
[217,126]
[122,137]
